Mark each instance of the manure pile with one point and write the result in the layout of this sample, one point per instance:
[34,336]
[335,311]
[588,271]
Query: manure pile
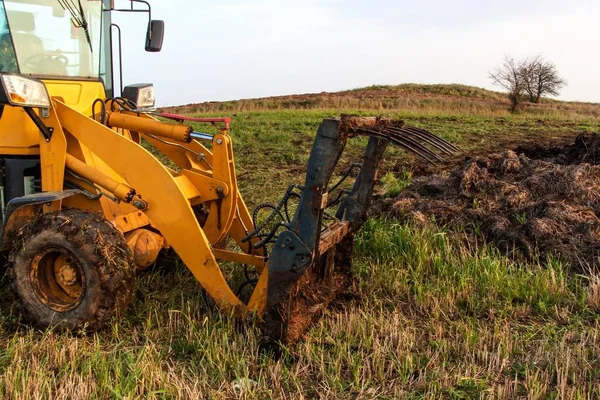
[529,202]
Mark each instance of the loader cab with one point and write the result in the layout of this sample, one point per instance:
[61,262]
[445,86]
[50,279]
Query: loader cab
[73,47]
[68,40]
[53,40]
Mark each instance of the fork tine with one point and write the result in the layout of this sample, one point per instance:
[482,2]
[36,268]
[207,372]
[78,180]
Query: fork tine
[416,144]
[418,141]
[426,132]
[432,140]
[408,145]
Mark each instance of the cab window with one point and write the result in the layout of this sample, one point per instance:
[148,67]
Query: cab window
[8,59]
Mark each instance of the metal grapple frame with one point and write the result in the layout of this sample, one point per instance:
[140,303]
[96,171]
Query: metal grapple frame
[308,265]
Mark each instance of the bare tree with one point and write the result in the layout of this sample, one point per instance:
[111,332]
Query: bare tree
[540,77]
[509,75]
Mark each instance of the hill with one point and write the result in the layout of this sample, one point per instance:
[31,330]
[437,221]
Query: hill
[410,96]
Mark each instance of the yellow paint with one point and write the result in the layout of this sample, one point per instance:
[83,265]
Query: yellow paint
[79,95]
[240,258]
[180,133]
[144,246]
[130,221]
[210,187]
[189,191]
[20,136]
[121,191]
[258,301]
[53,155]
[169,210]
[221,214]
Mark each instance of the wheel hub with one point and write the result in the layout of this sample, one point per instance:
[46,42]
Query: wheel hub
[57,279]
[67,275]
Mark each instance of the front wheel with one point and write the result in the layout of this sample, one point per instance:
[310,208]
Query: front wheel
[72,269]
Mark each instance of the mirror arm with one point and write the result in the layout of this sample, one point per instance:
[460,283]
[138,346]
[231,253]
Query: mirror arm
[147,4]
[149,10]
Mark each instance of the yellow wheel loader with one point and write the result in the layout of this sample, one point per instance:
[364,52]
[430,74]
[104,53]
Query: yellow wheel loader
[85,205]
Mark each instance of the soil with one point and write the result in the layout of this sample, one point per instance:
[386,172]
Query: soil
[532,142]
[532,202]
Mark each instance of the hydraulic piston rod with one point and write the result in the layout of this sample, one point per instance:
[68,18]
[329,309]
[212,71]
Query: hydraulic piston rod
[119,190]
[201,136]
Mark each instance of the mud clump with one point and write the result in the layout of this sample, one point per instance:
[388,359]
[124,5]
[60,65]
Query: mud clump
[531,202]
[586,149]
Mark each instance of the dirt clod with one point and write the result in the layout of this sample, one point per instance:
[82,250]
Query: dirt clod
[529,202]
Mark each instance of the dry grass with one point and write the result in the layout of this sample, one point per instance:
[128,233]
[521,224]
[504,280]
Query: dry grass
[424,99]
[593,297]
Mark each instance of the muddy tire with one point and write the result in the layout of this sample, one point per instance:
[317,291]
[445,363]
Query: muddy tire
[72,270]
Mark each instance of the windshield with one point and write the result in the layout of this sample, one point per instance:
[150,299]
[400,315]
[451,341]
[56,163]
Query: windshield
[49,37]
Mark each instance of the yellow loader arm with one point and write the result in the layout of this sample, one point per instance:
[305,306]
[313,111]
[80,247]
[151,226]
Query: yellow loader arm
[167,197]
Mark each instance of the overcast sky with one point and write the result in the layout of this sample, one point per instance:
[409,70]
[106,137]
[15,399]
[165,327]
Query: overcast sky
[227,49]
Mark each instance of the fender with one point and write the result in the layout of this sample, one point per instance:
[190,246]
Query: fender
[24,209]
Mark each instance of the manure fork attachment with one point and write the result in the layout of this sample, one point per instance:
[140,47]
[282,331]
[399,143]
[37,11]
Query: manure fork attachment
[308,265]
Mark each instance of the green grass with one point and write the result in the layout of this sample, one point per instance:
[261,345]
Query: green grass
[272,147]
[429,318]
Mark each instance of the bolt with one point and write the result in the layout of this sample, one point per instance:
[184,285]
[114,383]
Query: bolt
[219,189]
[140,205]
[219,141]
[288,240]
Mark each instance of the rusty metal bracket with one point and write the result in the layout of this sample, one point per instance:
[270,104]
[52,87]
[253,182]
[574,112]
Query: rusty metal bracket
[296,289]
[352,211]
[288,262]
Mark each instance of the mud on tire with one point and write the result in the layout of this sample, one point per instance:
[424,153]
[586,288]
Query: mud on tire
[72,269]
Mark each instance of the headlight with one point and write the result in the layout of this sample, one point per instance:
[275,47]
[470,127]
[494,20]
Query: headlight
[140,94]
[24,92]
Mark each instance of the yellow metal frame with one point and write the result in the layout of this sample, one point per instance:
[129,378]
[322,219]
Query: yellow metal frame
[144,199]
[170,195]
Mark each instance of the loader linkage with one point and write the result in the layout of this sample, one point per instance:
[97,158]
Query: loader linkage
[308,265]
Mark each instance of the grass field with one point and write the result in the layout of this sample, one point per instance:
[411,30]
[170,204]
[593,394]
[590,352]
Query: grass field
[428,317]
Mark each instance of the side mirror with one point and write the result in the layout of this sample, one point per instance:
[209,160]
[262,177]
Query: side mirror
[155,35]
